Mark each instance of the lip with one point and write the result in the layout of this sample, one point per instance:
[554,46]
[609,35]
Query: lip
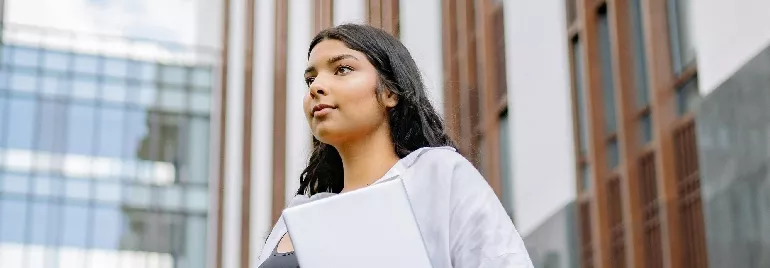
[322,109]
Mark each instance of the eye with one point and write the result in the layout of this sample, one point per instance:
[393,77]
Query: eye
[343,70]
[309,80]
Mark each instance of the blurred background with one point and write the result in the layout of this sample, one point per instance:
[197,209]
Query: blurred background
[170,133]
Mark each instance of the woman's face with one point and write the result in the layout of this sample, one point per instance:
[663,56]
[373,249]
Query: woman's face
[341,104]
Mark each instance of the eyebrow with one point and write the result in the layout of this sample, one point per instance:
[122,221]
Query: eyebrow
[332,60]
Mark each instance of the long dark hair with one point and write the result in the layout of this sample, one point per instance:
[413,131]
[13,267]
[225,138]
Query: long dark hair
[414,123]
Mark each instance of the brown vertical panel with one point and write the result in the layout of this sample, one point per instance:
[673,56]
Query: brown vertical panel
[374,11]
[490,114]
[660,73]
[248,85]
[279,108]
[586,238]
[688,188]
[615,217]
[322,15]
[597,152]
[451,91]
[626,103]
[221,145]
[648,195]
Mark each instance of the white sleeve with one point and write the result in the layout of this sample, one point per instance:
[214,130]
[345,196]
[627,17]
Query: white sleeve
[481,233]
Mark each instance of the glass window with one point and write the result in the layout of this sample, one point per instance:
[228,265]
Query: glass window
[645,129]
[137,195]
[580,96]
[108,191]
[171,196]
[197,199]
[48,186]
[54,84]
[84,87]
[174,75]
[639,53]
[114,90]
[86,64]
[23,80]
[5,58]
[136,129]
[115,67]
[42,219]
[50,123]
[680,25]
[608,83]
[21,120]
[200,102]
[110,132]
[26,57]
[585,177]
[173,100]
[14,184]
[201,78]
[80,129]
[4,77]
[55,61]
[77,188]
[688,96]
[144,71]
[108,225]
[74,226]
[613,154]
[13,219]
[197,147]
[195,243]
[147,95]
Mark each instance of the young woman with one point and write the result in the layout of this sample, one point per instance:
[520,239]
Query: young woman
[372,121]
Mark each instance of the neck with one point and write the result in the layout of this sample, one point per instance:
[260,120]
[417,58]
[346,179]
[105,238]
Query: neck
[367,159]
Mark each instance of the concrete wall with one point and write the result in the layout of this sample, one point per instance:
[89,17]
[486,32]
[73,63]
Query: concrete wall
[423,39]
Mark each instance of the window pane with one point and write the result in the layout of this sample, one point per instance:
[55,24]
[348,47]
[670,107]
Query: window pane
[682,43]
[195,243]
[688,96]
[201,78]
[640,55]
[21,120]
[48,186]
[110,134]
[608,83]
[26,57]
[135,131]
[56,61]
[585,178]
[171,197]
[108,191]
[86,64]
[41,222]
[80,129]
[645,129]
[23,80]
[114,90]
[77,188]
[613,154]
[197,199]
[108,225]
[51,123]
[13,219]
[147,95]
[198,148]
[173,99]
[84,87]
[173,75]
[14,184]
[55,84]
[144,71]
[7,55]
[74,227]
[200,102]
[582,112]
[115,67]
[137,195]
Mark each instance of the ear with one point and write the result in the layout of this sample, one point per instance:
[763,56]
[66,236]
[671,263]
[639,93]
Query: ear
[390,99]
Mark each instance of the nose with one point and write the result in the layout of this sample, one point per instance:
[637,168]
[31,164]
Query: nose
[317,88]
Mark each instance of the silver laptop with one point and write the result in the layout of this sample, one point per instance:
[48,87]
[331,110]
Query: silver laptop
[369,227]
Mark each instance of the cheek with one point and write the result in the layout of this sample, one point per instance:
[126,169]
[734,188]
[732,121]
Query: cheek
[306,105]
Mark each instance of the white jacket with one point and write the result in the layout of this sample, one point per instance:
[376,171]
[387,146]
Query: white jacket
[461,219]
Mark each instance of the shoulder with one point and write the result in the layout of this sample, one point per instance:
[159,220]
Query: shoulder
[445,164]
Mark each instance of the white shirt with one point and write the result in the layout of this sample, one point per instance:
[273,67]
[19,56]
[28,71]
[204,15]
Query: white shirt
[461,220]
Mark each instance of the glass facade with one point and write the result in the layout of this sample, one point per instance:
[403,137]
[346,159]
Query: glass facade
[103,160]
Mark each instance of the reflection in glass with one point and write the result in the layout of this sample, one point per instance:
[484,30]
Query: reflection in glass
[505,167]
[147,95]
[21,120]
[114,90]
[77,188]
[41,220]
[54,85]
[639,53]
[23,80]
[115,67]
[14,184]
[108,225]
[26,57]
[136,128]
[201,78]
[13,219]
[48,186]
[108,191]
[688,96]
[144,71]
[585,177]
[52,117]
[645,128]
[174,75]
[195,243]
[85,88]
[173,100]
[608,83]
[55,61]
[110,132]
[86,64]
[682,39]
[580,96]
[74,226]
[197,199]
[172,197]
[198,156]
[613,154]
[80,130]
[200,102]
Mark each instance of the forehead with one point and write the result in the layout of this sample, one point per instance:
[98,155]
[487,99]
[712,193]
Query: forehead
[330,48]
